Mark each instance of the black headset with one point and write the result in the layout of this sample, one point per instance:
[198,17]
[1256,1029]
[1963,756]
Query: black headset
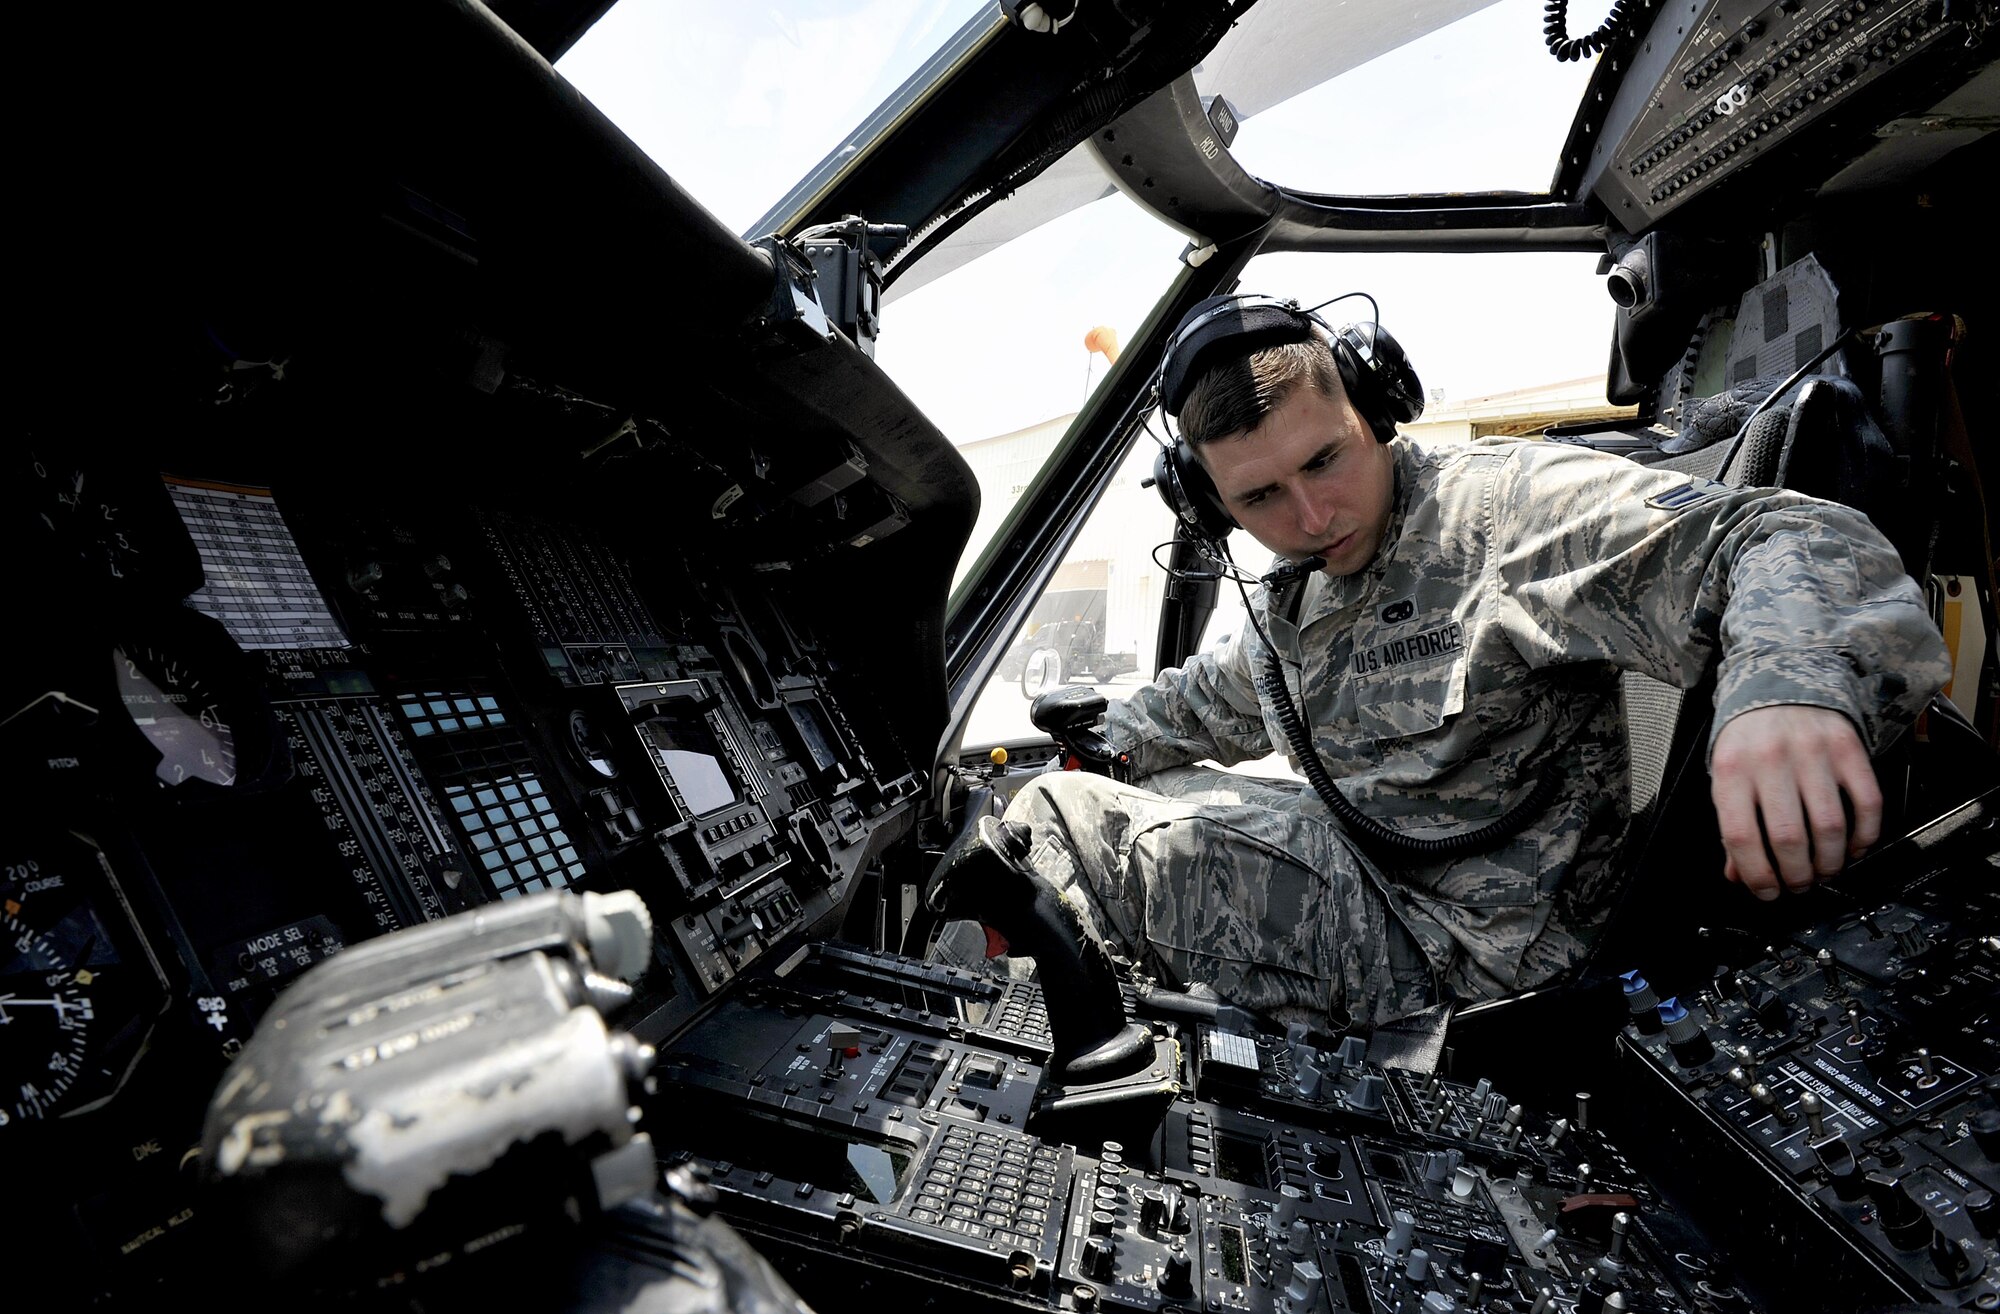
[1373,369]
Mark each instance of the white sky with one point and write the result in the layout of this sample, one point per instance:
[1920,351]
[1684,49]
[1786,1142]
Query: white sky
[737,102]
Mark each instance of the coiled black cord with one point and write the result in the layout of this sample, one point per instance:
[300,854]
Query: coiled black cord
[1371,833]
[1555,29]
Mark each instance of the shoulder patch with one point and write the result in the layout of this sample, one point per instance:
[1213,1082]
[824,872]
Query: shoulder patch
[1682,496]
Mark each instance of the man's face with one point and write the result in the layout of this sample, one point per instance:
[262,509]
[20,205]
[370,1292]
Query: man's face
[1309,481]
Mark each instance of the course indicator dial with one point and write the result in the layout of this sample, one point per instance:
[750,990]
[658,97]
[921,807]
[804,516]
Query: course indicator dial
[45,1015]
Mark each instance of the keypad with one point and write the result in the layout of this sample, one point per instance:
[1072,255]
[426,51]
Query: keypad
[991,1186]
[1021,1012]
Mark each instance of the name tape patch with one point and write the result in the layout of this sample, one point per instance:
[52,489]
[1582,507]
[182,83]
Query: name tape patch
[1448,637]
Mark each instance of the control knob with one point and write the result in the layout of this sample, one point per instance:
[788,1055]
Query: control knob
[1957,1262]
[1287,1212]
[1685,1037]
[1177,1278]
[1838,1157]
[1985,1126]
[1984,1212]
[1904,1221]
[1911,940]
[1097,1258]
[1641,1002]
[1771,1010]
[365,577]
[1304,1288]
[1307,1074]
[1402,1225]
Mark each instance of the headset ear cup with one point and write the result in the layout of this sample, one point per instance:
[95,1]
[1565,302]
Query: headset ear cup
[1402,390]
[1189,493]
[1379,378]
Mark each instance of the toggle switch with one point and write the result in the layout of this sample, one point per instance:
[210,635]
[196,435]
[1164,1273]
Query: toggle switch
[1809,1104]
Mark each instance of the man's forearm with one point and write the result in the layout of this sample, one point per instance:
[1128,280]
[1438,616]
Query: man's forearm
[1205,710]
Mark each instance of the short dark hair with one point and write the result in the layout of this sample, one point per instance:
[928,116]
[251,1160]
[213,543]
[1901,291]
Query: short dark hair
[1236,395]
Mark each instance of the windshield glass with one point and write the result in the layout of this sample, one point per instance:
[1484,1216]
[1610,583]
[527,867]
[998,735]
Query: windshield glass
[1477,105]
[1472,324]
[736,102]
[1002,352]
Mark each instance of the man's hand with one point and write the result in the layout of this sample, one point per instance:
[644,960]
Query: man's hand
[1778,774]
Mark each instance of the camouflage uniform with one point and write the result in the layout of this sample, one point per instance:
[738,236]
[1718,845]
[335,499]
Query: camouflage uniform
[1480,646]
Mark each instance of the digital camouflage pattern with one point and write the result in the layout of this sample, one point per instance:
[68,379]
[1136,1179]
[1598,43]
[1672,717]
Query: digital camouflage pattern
[1481,645]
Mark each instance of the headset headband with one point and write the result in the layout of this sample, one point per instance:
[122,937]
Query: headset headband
[1243,323]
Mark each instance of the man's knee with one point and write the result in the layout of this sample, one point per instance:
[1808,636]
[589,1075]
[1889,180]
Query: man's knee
[1063,794]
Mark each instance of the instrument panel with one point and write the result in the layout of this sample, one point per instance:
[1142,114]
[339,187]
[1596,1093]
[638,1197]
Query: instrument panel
[1740,85]
[252,723]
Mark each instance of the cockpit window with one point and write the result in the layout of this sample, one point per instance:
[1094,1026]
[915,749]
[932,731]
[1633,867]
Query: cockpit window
[1003,351]
[1328,102]
[737,101]
[1476,326]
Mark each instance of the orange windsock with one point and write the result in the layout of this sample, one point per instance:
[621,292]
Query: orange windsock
[1103,340]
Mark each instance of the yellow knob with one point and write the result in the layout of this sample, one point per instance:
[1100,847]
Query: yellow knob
[998,757]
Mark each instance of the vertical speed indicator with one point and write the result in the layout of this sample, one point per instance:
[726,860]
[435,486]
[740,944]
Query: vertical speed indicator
[196,718]
[179,714]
